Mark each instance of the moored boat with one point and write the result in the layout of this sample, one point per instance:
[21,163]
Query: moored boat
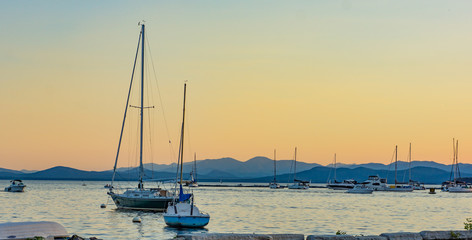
[297,183]
[398,186]
[140,198]
[182,211]
[274,184]
[15,186]
[376,183]
[360,189]
[336,185]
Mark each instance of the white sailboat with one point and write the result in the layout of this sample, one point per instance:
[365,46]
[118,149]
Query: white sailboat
[414,184]
[336,185]
[274,184]
[398,186]
[139,198]
[193,174]
[182,211]
[297,183]
[458,186]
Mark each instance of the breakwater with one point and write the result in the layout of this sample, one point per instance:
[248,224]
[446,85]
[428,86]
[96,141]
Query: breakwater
[424,235]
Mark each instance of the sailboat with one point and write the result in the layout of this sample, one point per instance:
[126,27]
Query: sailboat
[297,183]
[414,184]
[140,198]
[274,184]
[182,212]
[398,186]
[336,185]
[193,174]
[456,185]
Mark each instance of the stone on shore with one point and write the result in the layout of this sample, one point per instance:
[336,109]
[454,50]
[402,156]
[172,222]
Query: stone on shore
[439,235]
[402,236]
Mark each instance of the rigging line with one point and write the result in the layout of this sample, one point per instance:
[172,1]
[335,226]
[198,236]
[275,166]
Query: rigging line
[126,110]
[160,99]
[389,166]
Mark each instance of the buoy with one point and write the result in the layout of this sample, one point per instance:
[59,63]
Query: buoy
[137,219]
[103,205]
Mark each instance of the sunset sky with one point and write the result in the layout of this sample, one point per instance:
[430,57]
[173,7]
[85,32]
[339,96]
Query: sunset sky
[353,78]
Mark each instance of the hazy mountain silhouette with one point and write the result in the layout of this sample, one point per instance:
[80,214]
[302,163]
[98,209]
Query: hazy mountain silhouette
[258,169]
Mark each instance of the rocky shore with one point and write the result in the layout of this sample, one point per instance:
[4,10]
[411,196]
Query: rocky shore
[424,235]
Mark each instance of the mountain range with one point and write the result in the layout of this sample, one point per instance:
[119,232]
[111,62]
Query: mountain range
[258,169]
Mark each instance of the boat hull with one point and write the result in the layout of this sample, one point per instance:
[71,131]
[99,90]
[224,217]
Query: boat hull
[366,191]
[340,186]
[186,221]
[459,190]
[15,189]
[153,204]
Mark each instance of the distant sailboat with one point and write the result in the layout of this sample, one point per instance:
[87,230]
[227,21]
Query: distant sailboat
[398,186]
[182,212]
[274,184]
[139,198]
[345,184]
[414,184]
[298,184]
[193,174]
[458,186]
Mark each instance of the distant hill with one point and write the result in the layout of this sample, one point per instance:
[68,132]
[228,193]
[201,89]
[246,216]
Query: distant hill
[323,174]
[258,169]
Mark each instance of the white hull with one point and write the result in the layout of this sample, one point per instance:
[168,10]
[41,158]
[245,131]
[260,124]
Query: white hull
[15,189]
[295,186]
[460,189]
[360,189]
[15,186]
[185,215]
[399,189]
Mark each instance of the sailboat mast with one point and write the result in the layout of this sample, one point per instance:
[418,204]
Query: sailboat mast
[275,168]
[295,165]
[396,149]
[457,160]
[141,168]
[126,111]
[195,167]
[181,154]
[335,167]
[409,164]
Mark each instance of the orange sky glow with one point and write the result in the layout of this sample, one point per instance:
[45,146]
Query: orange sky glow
[346,77]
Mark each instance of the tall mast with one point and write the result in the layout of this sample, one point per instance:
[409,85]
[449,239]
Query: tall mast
[458,175]
[126,111]
[275,168]
[409,164]
[396,149]
[335,167]
[181,153]
[141,168]
[195,167]
[295,165]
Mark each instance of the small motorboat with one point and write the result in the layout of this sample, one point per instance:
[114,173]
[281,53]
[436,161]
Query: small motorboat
[360,189]
[15,186]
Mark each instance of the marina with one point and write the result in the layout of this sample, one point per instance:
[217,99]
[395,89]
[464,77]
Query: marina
[246,210]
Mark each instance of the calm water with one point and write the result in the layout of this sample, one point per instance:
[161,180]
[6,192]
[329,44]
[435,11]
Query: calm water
[240,210]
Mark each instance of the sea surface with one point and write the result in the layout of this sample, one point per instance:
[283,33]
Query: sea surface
[239,210]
